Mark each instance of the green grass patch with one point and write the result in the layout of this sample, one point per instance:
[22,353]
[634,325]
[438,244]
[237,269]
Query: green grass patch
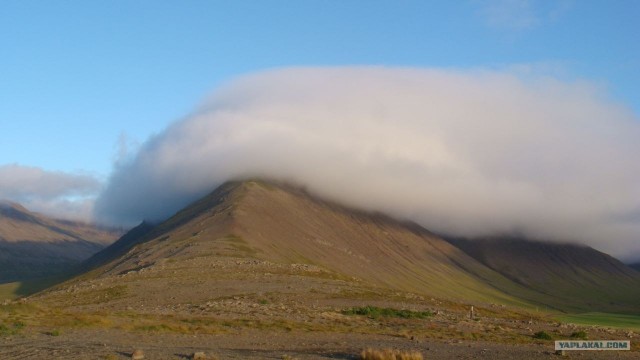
[9,291]
[18,308]
[542,335]
[579,335]
[375,312]
[14,290]
[156,328]
[11,329]
[200,321]
[604,319]
[23,314]
[76,320]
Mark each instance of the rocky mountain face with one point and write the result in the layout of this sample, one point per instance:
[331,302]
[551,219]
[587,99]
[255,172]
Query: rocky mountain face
[34,246]
[256,238]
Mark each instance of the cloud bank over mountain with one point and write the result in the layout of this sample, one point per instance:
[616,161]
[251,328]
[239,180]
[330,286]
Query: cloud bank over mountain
[59,194]
[467,153]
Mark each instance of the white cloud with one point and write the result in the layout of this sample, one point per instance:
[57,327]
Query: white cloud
[463,152]
[63,195]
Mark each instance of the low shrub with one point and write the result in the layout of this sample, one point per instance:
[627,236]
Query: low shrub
[13,329]
[579,335]
[542,335]
[376,312]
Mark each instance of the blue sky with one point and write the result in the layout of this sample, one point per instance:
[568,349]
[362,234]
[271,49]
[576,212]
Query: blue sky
[77,76]
[469,117]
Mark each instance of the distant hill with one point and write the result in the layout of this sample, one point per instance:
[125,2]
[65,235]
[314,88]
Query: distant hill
[256,237]
[635,266]
[35,246]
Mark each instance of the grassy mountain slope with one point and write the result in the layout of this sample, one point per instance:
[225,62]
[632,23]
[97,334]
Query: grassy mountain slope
[286,224]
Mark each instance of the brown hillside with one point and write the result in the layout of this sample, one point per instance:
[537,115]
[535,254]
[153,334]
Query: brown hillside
[19,224]
[34,246]
[253,237]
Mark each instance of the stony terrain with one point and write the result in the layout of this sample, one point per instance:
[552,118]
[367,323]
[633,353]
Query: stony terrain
[256,344]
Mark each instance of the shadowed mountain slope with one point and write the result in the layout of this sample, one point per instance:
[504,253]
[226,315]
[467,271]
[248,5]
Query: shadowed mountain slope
[34,246]
[577,275]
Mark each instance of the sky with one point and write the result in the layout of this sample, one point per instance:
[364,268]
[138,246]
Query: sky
[88,88]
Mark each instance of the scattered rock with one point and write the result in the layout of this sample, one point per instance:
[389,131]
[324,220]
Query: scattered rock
[137,354]
[561,352]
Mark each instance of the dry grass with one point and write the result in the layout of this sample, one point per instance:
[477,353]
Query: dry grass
[389,354]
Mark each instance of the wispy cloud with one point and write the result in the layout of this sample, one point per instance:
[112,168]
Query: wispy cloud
[519,15]
[55,193]
[460,152]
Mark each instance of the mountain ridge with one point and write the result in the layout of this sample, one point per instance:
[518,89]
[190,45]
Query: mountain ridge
[275,223]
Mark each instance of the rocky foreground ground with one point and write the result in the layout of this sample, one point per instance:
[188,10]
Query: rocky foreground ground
[263,310]
[288,326]
[256,344]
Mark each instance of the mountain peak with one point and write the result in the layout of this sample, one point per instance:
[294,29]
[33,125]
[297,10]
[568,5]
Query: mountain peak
[256,235]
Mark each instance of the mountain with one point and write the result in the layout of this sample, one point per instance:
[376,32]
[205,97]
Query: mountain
[574,275]
[35,246]
[284,225]
[255,238]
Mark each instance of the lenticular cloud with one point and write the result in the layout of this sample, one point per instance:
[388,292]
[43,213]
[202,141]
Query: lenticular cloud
[466,153]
